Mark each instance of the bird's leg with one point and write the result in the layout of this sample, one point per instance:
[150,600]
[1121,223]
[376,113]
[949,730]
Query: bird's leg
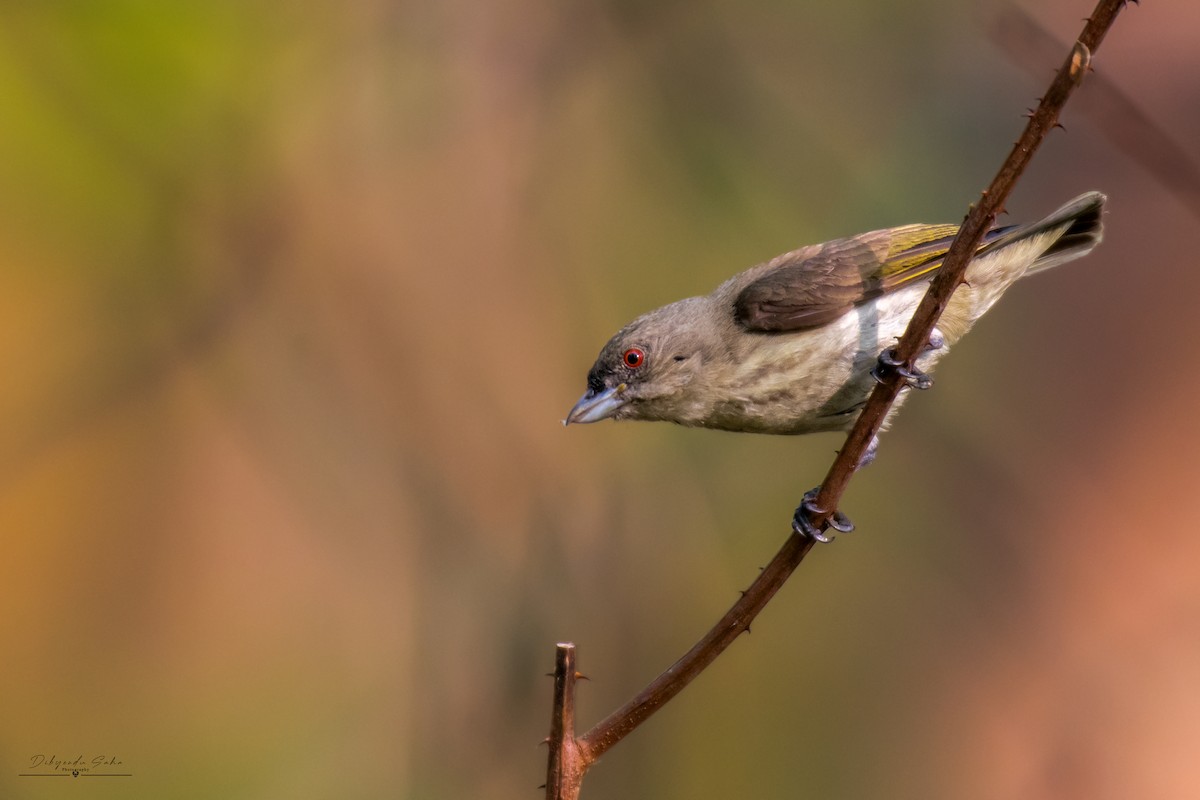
[888,362]
[936,340]
[913,377]
[802,520]
[869,454]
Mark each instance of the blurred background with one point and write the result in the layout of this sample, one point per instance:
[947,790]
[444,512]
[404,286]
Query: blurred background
[294,297]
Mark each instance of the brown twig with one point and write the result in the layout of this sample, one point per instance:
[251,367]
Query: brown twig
[1117,116]
[563,780]
[737,619]
[565,773]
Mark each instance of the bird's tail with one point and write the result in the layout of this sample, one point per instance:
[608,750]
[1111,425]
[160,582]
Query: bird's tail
[1084,230]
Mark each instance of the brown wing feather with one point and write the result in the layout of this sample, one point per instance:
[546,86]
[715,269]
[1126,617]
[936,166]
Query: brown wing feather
[807,292]
[809,289]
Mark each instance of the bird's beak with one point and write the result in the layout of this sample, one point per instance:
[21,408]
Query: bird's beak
[595,406]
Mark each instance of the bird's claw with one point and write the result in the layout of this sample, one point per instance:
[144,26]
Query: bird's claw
[888,362]
[913,377]
[802,520]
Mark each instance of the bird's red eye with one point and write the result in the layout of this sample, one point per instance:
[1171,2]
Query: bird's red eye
[633,357]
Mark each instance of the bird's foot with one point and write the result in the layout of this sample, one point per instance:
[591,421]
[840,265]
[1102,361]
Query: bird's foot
[888,362]
[802,520]
[913,377]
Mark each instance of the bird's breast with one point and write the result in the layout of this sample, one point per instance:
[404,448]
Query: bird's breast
[803,382]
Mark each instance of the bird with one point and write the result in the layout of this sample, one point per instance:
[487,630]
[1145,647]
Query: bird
[790,346]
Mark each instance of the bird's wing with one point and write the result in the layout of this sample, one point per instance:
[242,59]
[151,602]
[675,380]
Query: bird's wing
[813,287]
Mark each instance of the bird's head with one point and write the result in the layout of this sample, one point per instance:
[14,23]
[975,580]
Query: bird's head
[649,369]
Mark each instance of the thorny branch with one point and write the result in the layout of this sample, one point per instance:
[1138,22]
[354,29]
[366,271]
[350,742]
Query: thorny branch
[570,756]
